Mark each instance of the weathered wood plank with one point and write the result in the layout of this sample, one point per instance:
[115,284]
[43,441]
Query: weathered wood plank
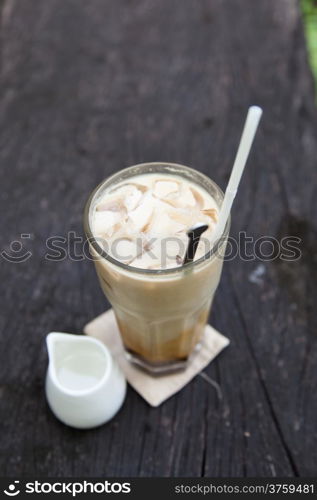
[88,88]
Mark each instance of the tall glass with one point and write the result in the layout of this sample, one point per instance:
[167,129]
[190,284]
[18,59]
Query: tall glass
[161,314]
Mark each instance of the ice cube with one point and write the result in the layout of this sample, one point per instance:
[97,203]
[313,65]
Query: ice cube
[199,200]
[163,188]
[173,247]
[132,198]
[140,187]
[110,203]
[170,247]
[124,198]
[163,224]
[162,253]
[121,188]
[125,249]
[210,212]
[182,199]
[147,260]
[187,197]
[182,216]
[141,216]
[104,222]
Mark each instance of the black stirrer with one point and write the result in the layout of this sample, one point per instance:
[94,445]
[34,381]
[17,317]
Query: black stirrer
[194,234]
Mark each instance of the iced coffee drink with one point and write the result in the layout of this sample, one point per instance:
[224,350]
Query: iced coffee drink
[137,223]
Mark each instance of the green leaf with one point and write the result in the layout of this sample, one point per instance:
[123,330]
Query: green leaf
[309,13]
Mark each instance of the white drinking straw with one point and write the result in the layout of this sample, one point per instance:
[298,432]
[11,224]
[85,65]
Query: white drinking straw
[249,130]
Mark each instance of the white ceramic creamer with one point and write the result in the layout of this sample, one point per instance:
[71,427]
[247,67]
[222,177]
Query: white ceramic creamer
[84,386]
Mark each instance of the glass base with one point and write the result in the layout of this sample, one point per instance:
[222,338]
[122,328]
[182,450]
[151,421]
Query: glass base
[161,368]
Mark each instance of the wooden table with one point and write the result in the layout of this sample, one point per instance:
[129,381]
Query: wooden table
[91,86]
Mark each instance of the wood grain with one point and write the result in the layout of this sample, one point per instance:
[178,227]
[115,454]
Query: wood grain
[89,87]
